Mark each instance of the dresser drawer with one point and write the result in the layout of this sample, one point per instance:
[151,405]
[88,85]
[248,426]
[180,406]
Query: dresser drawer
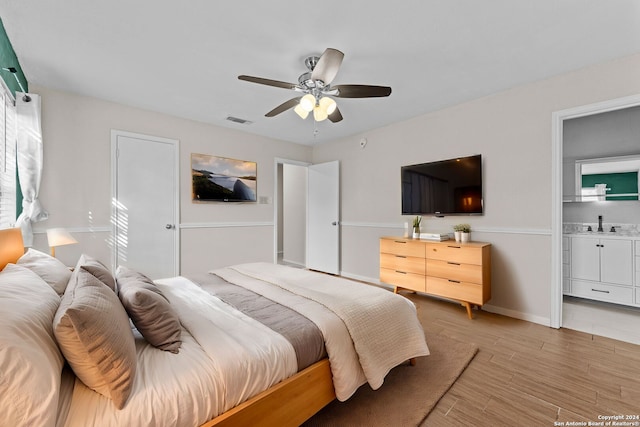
[407,264]
[459,253]
[402,247]
[412,281]
[464,291]
[455,271]
[602,292]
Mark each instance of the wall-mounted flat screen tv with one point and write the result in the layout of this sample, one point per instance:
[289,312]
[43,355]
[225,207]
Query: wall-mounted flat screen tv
[445,187]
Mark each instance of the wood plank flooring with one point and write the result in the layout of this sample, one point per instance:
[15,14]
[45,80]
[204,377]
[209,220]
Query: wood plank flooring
[527,374]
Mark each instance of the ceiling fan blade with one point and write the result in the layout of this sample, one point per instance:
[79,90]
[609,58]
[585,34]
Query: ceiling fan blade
[283,107]
[267,82]
[361,91]
[336,116]
[327,66]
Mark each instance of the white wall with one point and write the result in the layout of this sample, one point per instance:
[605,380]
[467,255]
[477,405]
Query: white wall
[295,213]
[76,186]
[512,131]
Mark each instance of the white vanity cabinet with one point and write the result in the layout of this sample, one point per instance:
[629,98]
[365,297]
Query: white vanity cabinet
[602,269]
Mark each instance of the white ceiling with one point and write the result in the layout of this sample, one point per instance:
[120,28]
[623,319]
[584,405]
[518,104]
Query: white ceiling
[183,58]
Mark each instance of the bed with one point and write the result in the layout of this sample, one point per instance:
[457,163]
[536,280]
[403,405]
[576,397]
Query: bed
[235,346]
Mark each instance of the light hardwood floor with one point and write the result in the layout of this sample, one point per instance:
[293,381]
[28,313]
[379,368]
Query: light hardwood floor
[527,374]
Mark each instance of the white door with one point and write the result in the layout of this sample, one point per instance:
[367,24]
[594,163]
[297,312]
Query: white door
[145,204]
[323,217]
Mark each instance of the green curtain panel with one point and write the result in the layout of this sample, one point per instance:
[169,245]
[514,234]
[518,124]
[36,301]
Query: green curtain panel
[9,59]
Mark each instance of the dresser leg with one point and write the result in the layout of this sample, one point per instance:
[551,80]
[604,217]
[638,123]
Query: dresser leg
[395,289]
[468,307]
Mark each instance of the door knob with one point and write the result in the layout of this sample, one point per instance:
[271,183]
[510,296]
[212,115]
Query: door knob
[168,226]
[334,223]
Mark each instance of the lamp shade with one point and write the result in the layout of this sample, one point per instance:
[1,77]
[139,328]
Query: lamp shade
[59,237]
[319,114]
[301,111]
[308,102]
[327,104]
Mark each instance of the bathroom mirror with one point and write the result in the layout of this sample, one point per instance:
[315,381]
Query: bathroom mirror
[609,178]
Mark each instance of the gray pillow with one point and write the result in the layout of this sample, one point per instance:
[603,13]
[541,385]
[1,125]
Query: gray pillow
[149,310]
[97,269]
[93,332]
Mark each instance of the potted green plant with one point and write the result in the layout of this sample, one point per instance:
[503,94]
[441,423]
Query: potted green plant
[416,227]
[461,232]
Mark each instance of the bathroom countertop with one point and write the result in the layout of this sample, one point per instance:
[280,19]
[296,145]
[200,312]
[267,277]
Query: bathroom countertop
[606,234]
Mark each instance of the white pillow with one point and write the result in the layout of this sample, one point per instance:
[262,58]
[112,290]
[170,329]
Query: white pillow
[51,269]
[30,361]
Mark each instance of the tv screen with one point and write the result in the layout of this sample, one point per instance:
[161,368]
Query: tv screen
[446,187]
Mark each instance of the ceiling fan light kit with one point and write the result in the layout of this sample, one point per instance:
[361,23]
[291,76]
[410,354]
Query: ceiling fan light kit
[316,85]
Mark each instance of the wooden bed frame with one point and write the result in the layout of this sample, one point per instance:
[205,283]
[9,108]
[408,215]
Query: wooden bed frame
[288,403]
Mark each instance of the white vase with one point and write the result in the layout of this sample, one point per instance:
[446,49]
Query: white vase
[416,232]
[456,234]
[465,237]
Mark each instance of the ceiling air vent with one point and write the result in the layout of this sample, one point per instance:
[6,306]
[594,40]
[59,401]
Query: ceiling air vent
[239,120]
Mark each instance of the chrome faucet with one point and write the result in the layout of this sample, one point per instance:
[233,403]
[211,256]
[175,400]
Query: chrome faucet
[600,229]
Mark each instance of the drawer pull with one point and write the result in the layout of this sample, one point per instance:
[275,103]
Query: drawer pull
[601,291]
[400,256]
[399,241]
[453,281]
[401,272]
[453,263]
[454,247]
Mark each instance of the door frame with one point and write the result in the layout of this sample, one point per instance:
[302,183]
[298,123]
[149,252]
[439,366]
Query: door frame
[276,199]
[176,190]
[557,121]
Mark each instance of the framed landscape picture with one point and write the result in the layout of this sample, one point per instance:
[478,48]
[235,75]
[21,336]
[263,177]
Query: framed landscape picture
[220,179]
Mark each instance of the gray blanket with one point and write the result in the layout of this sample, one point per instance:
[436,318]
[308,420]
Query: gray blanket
[304,335]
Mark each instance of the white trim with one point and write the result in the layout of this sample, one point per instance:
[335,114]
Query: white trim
[500,230]
[176,189]
[371,224]
[98,229]
[192,225]
[372,280]
[557,119]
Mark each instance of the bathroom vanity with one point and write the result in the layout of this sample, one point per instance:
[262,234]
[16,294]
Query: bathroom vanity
[602,266]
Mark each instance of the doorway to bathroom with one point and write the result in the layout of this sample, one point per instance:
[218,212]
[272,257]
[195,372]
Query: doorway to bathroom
[584,138]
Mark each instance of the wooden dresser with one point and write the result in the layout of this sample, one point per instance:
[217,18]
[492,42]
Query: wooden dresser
[458,271]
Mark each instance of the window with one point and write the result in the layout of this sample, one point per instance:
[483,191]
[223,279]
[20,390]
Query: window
[7,159]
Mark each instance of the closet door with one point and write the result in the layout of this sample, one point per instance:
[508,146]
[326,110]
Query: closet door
[145,204]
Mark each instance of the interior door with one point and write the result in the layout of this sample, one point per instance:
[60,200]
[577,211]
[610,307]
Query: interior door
[145,204]
[323,217]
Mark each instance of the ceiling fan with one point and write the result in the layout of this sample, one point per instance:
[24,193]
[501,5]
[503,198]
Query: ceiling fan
[315,84]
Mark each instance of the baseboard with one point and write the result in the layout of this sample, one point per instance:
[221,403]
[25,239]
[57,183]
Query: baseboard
[545,321]
[296,263]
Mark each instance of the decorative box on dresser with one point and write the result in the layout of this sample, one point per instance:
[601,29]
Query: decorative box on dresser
[458,271]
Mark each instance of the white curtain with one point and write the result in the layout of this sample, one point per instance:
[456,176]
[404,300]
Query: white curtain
[30,160]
